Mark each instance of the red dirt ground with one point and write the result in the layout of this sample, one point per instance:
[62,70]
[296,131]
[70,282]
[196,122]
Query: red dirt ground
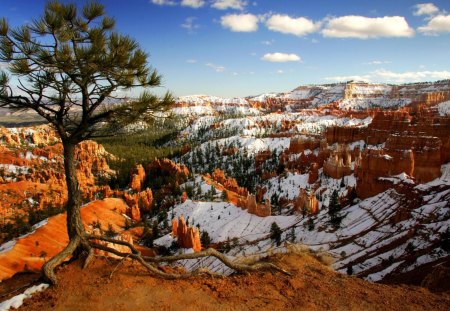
[312,286]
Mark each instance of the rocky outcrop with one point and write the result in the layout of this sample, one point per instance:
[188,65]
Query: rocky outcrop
[344,134]
[137,178]
[313,173]
[187,237]
[306,201]
[138,203]
[300,144]
[250,204]
[339,163]
[228,183]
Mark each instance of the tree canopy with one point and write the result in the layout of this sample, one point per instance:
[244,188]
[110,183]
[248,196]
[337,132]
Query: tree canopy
[70,65]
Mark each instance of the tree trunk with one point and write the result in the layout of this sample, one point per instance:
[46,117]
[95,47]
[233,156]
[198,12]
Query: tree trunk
[75,225]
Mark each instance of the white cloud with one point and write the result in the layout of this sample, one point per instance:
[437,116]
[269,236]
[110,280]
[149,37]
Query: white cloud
[193,3]
[280,72]
[229,4]
[378,62]
[365,78]
[425,9]
[189,24]
[163,2]
[300,26]
[267,42]
[388,76]
[216,68]
[411,76]
[362,27]
[240,22]
[281,57]
[437,24]
[191,61]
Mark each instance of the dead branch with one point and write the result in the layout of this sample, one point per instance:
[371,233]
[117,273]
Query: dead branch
[148,262]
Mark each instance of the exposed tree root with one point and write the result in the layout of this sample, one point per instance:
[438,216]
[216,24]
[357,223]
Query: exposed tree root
[48,269]
[150,263]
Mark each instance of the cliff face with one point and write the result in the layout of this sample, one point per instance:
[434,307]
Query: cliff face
[413,141]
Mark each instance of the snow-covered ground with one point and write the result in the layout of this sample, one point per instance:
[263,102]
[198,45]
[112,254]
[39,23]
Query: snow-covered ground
[17,301]
[368,240]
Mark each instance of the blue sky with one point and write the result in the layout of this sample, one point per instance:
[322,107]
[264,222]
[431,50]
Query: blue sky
[239,48]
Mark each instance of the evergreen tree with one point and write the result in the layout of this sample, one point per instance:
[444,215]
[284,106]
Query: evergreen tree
[69,63]
[205,239]
[350,270]
[334,208]
[224,195]
[310,224]
[275,233]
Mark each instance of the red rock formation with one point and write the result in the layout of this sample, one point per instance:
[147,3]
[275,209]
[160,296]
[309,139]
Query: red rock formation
[52,237]
[261,210]
[137,178]
[306,200]
[344,135]
[228,183]
[183,197]
[187,237]
[261,157]
[313,173]
[140,202]
[300,144]
[339,163]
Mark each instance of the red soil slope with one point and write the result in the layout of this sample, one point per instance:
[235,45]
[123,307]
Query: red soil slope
[31,251]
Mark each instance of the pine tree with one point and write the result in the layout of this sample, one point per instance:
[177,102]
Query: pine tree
[275,233]
[334,208]
[310,224]
[205,239]
[69,63]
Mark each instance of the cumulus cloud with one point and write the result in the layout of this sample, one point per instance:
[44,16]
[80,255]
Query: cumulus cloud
[163,2]
[216,68]
[361,27]
[425,9]
[229,4]
[383,75]
[193,3]
[281,57]
[299,26]
[240,22]
[437,24]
